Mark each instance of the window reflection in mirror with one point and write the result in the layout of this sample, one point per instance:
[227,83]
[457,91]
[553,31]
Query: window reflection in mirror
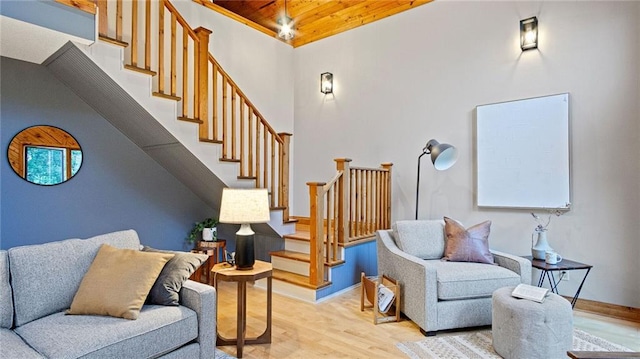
[45,155]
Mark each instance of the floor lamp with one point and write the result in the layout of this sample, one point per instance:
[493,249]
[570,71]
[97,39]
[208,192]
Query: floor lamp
[443,156]
[243,207]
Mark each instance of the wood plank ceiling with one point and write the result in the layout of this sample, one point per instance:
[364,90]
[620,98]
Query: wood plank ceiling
[313,19]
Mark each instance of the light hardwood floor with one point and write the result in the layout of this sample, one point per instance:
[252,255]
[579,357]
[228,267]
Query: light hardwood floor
[336,328]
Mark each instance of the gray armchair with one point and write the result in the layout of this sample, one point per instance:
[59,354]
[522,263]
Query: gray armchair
[438,295]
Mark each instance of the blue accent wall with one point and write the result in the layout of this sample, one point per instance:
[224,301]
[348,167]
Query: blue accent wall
[118,186]
[51,15]
[359,258]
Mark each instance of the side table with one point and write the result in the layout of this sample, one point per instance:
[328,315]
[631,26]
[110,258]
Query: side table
[564,265]
[215,250]
[228,273]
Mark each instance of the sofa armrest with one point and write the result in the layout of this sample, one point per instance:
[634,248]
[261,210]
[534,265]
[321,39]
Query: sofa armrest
[418,285]
[520,265]
[201,298]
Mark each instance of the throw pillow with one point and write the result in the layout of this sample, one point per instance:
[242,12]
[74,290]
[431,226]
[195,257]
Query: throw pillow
[117,282]
[467,245]
[166,289]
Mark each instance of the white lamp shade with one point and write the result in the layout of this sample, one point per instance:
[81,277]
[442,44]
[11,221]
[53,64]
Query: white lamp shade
[241,206]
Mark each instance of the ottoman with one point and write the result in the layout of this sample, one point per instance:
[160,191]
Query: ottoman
[523,328]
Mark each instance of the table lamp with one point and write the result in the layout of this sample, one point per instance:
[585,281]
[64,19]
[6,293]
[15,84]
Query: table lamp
[243,207]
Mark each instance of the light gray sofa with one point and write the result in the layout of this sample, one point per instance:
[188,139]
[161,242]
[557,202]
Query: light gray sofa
[436,294]
[38,283]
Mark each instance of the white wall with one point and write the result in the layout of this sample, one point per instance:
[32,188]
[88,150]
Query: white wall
[420,74]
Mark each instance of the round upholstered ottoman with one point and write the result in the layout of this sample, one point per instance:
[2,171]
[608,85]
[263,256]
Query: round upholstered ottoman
[523,328]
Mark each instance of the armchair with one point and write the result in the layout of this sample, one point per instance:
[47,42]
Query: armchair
[440,295]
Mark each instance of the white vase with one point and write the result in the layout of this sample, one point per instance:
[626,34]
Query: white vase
[208,234]
[539,249]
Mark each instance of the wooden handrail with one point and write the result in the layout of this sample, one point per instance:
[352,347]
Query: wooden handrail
[208,95]
[351,206]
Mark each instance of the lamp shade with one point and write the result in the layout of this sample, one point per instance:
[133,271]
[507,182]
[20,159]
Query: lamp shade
[443,155]
[240,206]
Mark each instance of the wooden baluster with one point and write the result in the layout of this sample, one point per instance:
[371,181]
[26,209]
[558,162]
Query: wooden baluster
[225,142]
[196,83]
[316,265]
[369,201]
[352,208]
[387,209]
[258,123]
[160,46]
[214,86]
[242,161]
[185,73]
[233,122]
[378,202]
[284,174]
[342,164]
[265,157]
[202,80]
[147,35]
[119,20]
[273,170]
[250,144]
[327,229]
[103,22]
[173,54]
[134,33]
[336,220]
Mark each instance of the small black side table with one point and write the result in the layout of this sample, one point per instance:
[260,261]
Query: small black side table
[564,265]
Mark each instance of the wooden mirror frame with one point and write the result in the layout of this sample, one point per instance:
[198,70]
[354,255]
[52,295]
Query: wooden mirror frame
[48,137]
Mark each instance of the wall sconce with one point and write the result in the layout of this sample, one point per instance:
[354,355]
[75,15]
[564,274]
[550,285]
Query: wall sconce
[326,83]
[529,33]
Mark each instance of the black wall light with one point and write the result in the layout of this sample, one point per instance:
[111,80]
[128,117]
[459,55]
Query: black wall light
[529,33]
[326,83]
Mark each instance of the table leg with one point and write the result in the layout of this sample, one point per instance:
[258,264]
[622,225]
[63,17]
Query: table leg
[242,312]
[575,297]
[541,279]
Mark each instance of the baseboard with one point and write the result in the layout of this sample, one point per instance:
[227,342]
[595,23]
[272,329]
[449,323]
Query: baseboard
[608,310]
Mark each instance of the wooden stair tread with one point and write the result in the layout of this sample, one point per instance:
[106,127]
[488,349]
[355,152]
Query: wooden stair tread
[140,69]
[189,119]
[297,279]
[209,140]
[297,256]
[166,95]
[113,41]
[302,257]
[299,235]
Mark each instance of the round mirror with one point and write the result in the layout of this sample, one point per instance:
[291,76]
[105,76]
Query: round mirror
[45,155]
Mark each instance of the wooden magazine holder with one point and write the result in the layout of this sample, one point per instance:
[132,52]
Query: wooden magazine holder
[370,288]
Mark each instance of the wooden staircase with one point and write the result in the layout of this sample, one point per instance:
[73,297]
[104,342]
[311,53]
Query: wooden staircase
[297,248]
[344,212]
[158,42]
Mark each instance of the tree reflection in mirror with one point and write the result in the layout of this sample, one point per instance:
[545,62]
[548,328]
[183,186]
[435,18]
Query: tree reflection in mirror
[45,155]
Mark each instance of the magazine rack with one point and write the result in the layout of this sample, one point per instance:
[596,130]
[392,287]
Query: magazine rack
[371,289]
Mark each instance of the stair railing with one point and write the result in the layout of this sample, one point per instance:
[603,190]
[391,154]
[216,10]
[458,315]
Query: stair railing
[159,42]
[350,207]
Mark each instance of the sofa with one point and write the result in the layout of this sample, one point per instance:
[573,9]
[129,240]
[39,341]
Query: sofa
[438,294]
[38,284]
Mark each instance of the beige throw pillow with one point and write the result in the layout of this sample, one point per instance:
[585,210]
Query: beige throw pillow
[118,282]
[467,245]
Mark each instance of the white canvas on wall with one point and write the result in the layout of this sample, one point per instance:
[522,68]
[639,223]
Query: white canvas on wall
[523,153]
